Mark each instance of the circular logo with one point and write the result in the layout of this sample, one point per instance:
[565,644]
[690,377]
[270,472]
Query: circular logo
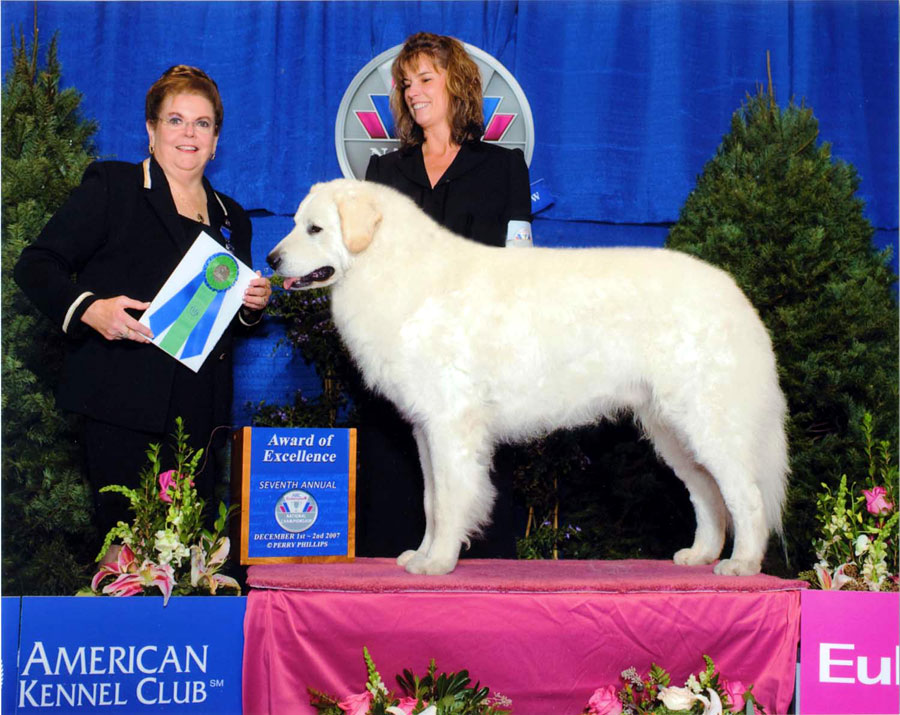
[296,511]
[220,271]
[365,125]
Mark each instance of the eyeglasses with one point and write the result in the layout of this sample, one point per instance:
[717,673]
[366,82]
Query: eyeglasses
[203,126]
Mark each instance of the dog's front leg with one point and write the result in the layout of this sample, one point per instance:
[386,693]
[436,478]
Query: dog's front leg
[461,494]
[428,477]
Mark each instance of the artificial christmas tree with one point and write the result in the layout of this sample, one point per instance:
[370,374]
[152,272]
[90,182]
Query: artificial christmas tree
[48,542]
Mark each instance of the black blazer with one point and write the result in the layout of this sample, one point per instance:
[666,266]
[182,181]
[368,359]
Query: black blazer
[484,188]
[119,233]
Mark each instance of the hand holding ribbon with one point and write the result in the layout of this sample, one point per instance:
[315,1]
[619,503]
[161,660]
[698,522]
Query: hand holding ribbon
[257,295]
[109,318]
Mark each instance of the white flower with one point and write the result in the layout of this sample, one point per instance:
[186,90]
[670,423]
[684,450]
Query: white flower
[693,684]
[829,581]
[678,698]
[170,548]
[862,545]
[714,706]
[875,570]
[430,710]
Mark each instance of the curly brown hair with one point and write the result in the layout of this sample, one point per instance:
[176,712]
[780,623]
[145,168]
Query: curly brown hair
[183,79]
[463,87]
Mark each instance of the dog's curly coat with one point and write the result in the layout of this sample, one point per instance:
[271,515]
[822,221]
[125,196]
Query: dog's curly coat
[480,345]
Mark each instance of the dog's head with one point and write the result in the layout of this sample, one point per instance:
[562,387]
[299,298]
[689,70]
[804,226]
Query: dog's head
[335,222]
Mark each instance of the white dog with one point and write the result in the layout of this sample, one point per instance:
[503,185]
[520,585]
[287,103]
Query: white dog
[480,345]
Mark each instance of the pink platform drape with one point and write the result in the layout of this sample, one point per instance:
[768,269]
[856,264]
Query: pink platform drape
[545,634]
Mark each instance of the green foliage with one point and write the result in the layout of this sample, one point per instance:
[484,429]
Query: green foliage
[46,504]
[857,548]
[447,693]
[781,216]
[151,514]
[654,695]
[166,536]
[450,693]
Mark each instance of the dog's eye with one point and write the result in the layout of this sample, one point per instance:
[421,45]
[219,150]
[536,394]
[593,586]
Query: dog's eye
[312,228]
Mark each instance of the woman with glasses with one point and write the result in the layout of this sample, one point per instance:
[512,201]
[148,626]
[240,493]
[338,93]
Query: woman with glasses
[120,235]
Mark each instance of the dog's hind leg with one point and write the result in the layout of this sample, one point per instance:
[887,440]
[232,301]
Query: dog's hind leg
[428,477]
[731,461]
[709,508]
[461,494]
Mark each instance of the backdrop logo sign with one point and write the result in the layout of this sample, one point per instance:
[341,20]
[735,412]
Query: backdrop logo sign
[365,125]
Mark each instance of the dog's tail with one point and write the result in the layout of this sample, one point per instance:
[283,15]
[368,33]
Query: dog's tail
[773,465]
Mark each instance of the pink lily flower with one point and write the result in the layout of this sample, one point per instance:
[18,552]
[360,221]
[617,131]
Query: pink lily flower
[830,582]
[147,576]
[131,580]
[204,570]
[124,564]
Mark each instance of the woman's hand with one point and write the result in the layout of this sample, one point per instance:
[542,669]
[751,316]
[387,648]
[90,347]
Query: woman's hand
[108,317]
[256,297]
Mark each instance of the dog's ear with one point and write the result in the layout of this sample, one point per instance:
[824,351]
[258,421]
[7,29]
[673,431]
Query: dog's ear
[360,219]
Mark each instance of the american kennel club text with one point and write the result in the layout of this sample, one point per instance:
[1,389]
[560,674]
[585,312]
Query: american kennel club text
[127,676]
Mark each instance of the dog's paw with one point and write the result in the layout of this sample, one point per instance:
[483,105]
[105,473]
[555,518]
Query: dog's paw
[420,564]
[406,557]
[692,557]
[737,567]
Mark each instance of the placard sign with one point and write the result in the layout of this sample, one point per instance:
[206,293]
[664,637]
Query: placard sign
[127,655]
[298,494]
[849,652]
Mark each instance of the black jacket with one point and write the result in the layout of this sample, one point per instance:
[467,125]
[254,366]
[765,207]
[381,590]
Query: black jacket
[484,188]
[119,233]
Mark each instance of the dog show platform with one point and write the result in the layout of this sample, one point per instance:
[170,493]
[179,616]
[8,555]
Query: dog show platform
[544,633]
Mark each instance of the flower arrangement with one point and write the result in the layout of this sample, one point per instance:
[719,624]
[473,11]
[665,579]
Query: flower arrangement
[444,694]
[706,693]
[858,547]
[166,546]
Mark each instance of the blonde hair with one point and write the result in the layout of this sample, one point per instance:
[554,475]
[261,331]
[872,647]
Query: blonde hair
[463,87]
[183,79]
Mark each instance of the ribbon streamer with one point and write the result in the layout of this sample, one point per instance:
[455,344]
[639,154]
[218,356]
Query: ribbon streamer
[193,310]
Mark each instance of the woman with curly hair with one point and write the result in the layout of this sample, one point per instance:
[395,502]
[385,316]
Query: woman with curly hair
[476,189]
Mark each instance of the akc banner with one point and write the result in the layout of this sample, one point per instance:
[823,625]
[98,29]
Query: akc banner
[849,652]
[133,655]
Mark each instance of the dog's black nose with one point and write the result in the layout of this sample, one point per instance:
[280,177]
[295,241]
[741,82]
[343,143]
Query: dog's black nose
[273,259]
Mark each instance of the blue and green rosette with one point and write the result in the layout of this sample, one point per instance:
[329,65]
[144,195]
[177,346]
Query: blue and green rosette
[192,311]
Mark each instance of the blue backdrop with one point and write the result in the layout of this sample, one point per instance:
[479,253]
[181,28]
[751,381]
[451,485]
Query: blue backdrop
[629,98]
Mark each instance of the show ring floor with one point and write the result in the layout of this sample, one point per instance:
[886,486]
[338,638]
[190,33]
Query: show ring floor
[544,633]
